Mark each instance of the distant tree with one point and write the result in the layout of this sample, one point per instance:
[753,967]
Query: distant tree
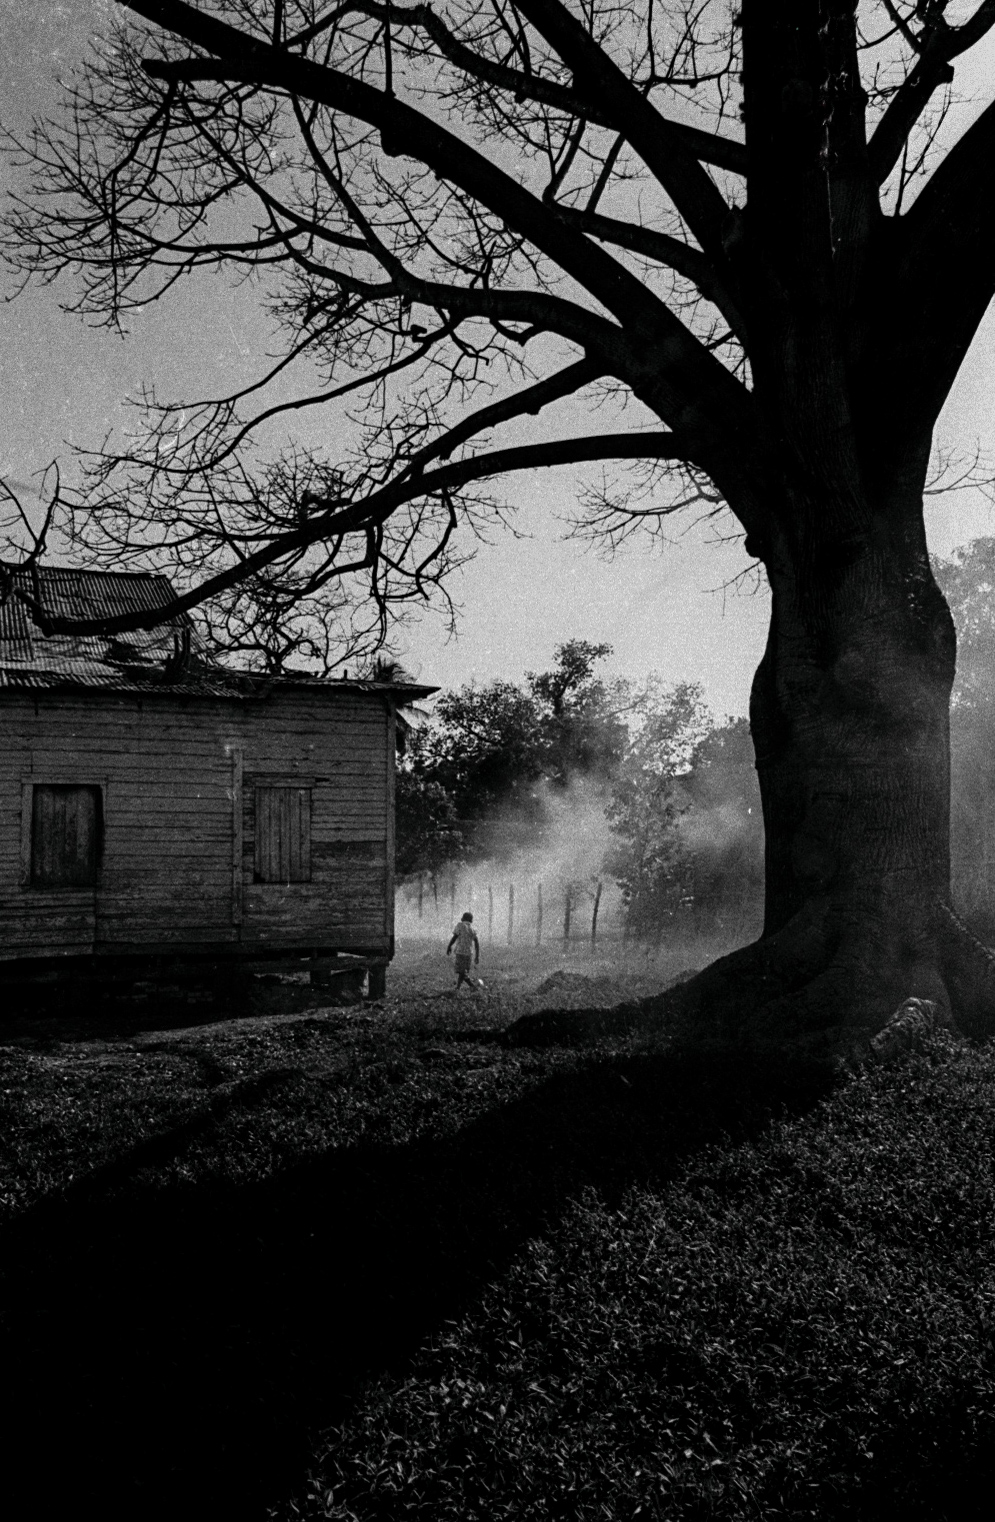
[968,583]
[648,799]
[386,667]
[582,719]
[428,834]
[722,834]
[492,749]
[967,580]
[686,808]
[486,747]
[679,794]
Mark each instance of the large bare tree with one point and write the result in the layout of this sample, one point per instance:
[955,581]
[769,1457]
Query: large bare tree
[460,214]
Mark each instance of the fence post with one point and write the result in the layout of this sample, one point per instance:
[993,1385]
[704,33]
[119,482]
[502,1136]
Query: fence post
[539,915]
[594,916]
[511,913]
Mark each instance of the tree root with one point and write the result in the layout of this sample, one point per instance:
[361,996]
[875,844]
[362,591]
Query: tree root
[911,1024]
[834,982]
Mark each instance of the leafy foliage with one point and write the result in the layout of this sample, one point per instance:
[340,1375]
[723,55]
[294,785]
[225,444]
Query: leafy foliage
[967,581]
[493,748]
[679,795]
[649,798]
[427,831]
[686,807]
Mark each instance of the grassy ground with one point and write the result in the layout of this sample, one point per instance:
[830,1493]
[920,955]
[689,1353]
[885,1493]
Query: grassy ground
[215,1231]
[453,1279]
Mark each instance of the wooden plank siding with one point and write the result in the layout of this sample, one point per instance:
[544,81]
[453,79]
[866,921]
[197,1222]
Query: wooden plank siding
[179,780]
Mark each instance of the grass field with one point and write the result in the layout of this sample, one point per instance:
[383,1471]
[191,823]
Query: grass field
[371,1263]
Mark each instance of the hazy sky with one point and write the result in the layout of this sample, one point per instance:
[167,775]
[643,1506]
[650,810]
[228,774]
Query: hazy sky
[60,381]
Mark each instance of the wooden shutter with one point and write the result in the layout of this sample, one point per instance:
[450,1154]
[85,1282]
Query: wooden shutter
[283,835]
[66,828]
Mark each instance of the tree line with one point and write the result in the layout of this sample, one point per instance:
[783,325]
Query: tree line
[676,789]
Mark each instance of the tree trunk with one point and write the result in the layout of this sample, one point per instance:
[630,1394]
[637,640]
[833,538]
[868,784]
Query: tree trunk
[850,720]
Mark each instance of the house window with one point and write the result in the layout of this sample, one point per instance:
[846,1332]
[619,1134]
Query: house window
[283,835]
[66,836]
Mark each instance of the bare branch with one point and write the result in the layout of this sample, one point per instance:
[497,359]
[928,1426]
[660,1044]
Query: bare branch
[943,245]
[710,148]
[523,403]
[694,374]
[403,129]
[901,25]
[663,249]
[367,515]
[37,538]
[665,154]
[938,44]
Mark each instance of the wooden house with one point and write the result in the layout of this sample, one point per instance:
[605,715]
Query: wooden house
[154,804]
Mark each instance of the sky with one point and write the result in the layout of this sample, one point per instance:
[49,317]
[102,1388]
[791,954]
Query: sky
[668,608]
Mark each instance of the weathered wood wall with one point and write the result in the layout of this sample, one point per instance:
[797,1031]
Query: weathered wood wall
[179,778]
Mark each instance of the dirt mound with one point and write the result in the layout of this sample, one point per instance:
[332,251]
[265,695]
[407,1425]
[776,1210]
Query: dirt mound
[562,981]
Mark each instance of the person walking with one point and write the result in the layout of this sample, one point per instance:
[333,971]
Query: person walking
[464,938]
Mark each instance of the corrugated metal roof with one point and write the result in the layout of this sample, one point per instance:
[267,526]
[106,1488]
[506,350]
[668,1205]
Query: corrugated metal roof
[217,682]
[143,661]
[190,685]
[67,593]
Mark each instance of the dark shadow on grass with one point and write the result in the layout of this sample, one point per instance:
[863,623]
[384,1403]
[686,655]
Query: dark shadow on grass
[173,1350]
[43,1017]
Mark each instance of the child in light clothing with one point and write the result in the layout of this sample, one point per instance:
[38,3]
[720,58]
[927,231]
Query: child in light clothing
[464,938]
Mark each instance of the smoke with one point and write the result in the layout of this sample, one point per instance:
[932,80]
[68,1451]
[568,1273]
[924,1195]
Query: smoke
[532,893]
[972,811]
[719,829]
[520,891]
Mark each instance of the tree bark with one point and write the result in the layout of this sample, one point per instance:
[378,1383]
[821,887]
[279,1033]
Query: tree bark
[850,720]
